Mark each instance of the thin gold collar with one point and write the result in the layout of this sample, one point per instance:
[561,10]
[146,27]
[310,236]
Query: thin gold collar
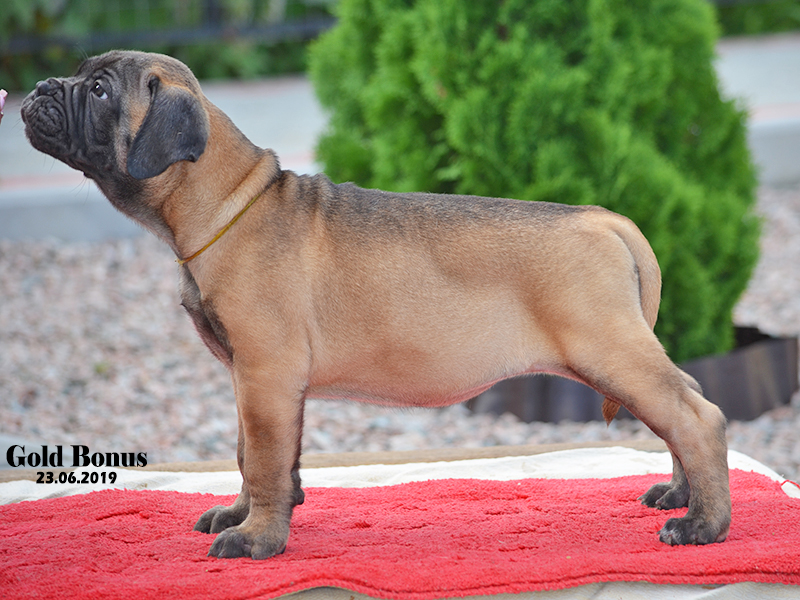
[183,261]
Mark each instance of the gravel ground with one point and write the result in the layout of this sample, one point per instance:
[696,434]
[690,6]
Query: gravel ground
[96,350]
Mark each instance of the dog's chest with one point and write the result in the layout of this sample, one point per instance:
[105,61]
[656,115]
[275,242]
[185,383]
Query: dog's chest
[205,319]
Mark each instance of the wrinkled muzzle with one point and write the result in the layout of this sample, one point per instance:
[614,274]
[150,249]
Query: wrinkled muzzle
[51,114]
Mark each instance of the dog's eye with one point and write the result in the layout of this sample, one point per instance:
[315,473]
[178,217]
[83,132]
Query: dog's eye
[98,91]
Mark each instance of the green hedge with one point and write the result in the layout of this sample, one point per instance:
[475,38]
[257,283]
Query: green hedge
[609,102]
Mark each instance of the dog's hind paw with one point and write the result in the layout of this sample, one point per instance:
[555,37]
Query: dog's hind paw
[687,530]
[666,496]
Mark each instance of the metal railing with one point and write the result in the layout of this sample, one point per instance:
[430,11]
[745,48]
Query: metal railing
[93,25]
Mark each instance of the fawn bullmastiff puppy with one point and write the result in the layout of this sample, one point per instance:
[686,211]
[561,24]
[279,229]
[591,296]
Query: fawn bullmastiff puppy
[304,288]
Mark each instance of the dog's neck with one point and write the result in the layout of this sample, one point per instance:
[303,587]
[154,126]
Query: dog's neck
[225,229]
[196,213]
[197,228]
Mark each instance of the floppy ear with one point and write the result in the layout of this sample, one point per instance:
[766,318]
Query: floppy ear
[175,128]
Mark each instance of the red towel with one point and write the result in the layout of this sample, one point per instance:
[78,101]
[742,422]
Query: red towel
[423,540]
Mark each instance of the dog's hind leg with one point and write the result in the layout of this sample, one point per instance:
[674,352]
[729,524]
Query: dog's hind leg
[611,406]
[671,494]
[633,369]
[675,493]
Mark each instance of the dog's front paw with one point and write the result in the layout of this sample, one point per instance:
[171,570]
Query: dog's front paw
[666,496]
[236,542]
[220,518]
[688,530]
[231,544]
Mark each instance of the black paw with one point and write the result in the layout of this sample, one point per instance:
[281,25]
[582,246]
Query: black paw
[666,496]
[234,543]
[679,532]
[218,519]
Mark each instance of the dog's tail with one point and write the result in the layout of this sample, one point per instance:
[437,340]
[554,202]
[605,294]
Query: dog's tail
[649,275]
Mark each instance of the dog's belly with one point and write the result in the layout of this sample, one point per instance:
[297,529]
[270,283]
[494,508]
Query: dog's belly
[440,369]
[419,393]
[397,398]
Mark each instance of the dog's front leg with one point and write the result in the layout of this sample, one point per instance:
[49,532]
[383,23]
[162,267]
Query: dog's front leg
[219,518]
[270,428]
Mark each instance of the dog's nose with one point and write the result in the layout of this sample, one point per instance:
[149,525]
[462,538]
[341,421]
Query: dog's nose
[48,87]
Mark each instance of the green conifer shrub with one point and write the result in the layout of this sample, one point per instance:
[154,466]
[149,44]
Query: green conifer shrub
[608,102]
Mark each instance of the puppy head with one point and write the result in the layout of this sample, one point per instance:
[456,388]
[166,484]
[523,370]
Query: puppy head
[125,120]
